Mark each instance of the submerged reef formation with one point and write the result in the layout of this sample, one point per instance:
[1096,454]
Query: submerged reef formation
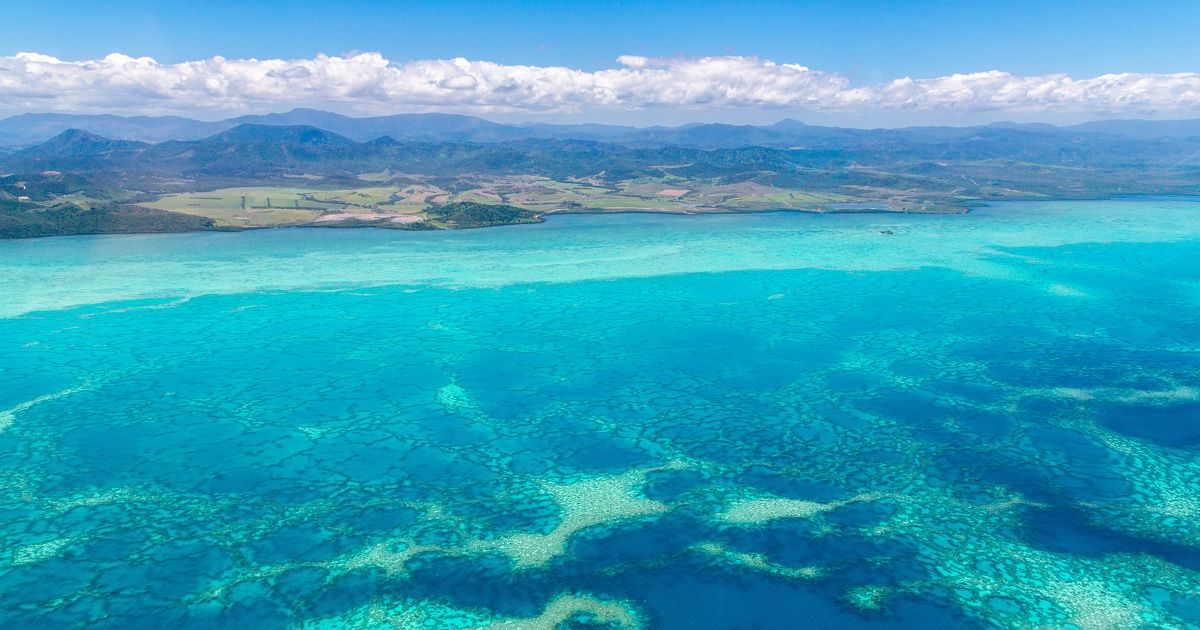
[805,446]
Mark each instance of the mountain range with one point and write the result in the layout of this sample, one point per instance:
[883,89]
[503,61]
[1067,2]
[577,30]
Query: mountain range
[28,129]
[256,151]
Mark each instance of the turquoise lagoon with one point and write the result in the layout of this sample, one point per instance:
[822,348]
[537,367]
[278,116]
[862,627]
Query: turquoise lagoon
[767,421]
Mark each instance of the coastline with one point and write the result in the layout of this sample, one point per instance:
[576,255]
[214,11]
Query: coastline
[965,207]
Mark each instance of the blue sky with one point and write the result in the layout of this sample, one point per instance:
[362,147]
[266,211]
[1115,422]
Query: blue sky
[864,43]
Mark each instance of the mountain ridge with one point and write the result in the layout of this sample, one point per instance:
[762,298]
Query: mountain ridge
[28,129]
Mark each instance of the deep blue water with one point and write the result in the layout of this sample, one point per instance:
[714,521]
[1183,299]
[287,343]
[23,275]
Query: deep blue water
[769,421]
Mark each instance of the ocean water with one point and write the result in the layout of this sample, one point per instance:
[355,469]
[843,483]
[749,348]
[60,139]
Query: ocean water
[636,421]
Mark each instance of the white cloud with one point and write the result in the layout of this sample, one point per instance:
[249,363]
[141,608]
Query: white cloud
[369,83]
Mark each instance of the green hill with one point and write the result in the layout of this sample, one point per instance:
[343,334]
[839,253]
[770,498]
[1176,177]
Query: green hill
[26,220]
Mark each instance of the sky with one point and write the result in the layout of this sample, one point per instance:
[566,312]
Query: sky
[855,63]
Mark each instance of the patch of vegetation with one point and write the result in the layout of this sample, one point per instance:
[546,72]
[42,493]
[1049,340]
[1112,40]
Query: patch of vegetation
[470,214]
[418,226]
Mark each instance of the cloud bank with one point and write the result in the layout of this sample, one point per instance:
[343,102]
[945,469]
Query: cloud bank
[370,83]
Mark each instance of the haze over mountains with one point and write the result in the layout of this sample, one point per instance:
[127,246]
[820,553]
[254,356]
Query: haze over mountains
[787,151]
[28,129]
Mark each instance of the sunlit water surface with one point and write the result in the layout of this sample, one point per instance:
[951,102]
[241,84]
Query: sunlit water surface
[773,421]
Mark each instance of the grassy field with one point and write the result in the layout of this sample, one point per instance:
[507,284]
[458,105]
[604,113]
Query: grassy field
[271,206]
[665,194]
[245,207]
[261,206]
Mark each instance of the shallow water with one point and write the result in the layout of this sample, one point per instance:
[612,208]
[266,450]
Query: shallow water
[775,421]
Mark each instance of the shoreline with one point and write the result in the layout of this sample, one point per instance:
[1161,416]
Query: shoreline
[382,224]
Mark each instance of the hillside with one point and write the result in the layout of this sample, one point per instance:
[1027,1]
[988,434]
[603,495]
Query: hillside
[24,220]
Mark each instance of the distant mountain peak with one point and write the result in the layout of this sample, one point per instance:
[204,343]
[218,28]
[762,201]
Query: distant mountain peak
[292,134]
[384,141]
[73,142]
[788,124]
[76,135]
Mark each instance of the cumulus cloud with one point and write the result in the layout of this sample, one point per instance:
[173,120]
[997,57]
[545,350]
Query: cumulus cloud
[370,83]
